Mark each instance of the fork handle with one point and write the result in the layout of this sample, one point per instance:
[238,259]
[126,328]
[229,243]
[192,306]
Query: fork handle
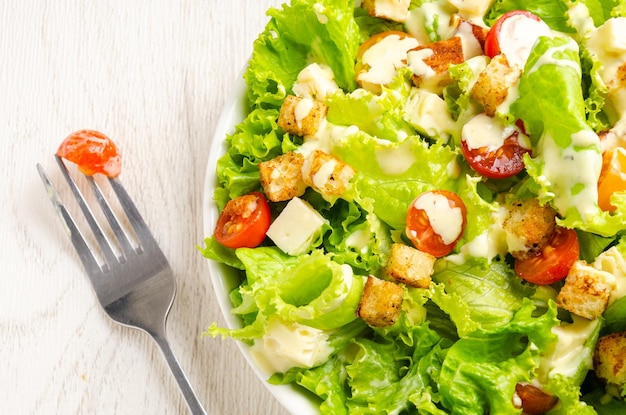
[195,407]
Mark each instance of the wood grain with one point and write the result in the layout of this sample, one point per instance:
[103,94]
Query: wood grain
[154,76]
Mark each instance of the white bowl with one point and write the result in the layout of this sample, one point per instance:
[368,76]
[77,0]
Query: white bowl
[223,278]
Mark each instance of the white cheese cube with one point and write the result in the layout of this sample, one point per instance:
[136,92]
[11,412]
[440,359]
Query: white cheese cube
[296,227]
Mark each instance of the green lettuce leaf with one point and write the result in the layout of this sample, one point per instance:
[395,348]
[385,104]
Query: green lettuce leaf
[302,32]
[566,158]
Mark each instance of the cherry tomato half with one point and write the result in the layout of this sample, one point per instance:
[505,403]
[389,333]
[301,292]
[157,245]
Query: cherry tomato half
[435,221]
[244,221]
[92,152]
[505,158]
[554,261]
[514,34]
[612,177]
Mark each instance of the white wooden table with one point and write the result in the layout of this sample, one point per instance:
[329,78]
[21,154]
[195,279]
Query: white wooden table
[153,75]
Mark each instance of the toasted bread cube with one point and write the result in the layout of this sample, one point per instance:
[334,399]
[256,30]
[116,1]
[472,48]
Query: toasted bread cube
[301,116]
[528,227]
[396,10]
[586,290]
[281,177]
[410,266]
[609,361]
[494,82]
[430,63]
[326,174]
[380,303]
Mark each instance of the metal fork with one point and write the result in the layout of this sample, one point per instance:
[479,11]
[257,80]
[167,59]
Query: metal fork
[135,289]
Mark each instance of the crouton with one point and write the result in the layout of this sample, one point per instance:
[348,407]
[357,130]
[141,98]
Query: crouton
[528,227]
[409,266]
[586,290]
[281,177]
[396,10]
[430,63]
[301,116]
[380,302]
[493,84]
[326,174]
[609,362]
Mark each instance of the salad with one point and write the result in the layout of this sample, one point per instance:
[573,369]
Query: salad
[425,206]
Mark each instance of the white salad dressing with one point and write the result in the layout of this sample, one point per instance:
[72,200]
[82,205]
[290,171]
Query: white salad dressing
[552,57]
[570,351]
[415,60]
[446,221]
[302,110]
[393,159]
[516,35]
[428,113]
[572,173]
[485,131]
[316,82]
[385,57]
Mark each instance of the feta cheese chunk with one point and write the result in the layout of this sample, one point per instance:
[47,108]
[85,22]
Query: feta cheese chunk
[287,345]
[296,227]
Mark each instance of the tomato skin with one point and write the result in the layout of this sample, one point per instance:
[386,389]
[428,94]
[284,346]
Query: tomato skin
[421,232]
[553,262]
[504,162]
[244,221]
[492,42]
[612,177]
[92,152]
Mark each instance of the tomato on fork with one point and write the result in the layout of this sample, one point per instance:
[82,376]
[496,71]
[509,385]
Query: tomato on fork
[244,221]
[554,261]
[92,152]
[436,221]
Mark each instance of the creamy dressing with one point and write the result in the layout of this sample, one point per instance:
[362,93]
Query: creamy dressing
[315,82]
[572,173]
[415,60]
[517,37]
[471,45]
[446,221]
[395,160]
[570,352]
[483,131]
[302,110]
[428,113]
[551,57]
[321,177]
[385,57]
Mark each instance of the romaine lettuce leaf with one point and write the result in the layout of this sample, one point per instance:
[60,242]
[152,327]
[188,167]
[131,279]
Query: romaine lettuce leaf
[566,158]
[302,32]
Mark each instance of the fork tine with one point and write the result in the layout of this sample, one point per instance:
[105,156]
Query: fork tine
[84,253]
[102,240]
[144,235]
[122,237]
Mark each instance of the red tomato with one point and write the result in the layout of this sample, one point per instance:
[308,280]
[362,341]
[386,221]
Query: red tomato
[554,261]
[430,216]
[244,221]
[503,156]
[505,161]
[612,177]
[514,37]
[92,152]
